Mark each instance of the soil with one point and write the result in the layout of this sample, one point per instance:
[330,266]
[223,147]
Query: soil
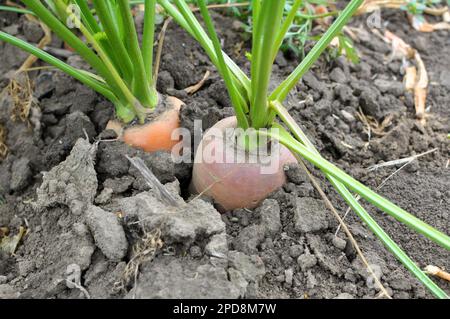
[92,220]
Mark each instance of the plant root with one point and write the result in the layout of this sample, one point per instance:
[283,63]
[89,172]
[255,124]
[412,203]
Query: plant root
[373,125]
[144,250]
[153,181]
[73,280]
[20,87]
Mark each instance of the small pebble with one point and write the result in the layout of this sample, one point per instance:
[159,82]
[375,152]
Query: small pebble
[280,278]
[3,280]
[339,243]
[195,251]
[307,261]
[295,251]
[289,275]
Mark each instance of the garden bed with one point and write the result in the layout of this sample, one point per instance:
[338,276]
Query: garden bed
[93,207]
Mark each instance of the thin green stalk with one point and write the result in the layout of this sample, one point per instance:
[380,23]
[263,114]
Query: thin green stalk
[102,39]
[256,9]
[16,10]
[359,210]
[283,89]
[149,39]
[87,17]
[386,240]
[122,111]
[44,56]
[223,68]
[120,53]
[51,6]
[142,87]
[265,32]
[112,77]
[365,192]
[317,16]
[114,12]
[285,28]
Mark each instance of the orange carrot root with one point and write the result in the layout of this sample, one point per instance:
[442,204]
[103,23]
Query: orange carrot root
[156,135]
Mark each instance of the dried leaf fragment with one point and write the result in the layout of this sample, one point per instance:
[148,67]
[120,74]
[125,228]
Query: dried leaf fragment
[419,23]
[438,272]
[415,82]
[9,244]
[3,146]
[192,89]
[410,78]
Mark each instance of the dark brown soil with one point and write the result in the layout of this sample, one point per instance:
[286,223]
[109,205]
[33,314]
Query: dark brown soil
[274,255]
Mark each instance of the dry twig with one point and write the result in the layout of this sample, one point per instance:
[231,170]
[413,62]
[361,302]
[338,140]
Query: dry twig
[3,146]
[346,229]
[438,272]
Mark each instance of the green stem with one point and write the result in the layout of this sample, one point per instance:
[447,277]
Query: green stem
[386,240]
[16,10]
[142,87]
[66,35]
[256,9]
[44,56]
[114,12]
[149,39]
[358,209]
[112,77]
[265,32]
[87,16]
[223,68]
[283,89]
[285,28]
[365,192]
[120,53]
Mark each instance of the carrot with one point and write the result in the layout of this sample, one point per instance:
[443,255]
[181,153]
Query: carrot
[231,181]
[155,135]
